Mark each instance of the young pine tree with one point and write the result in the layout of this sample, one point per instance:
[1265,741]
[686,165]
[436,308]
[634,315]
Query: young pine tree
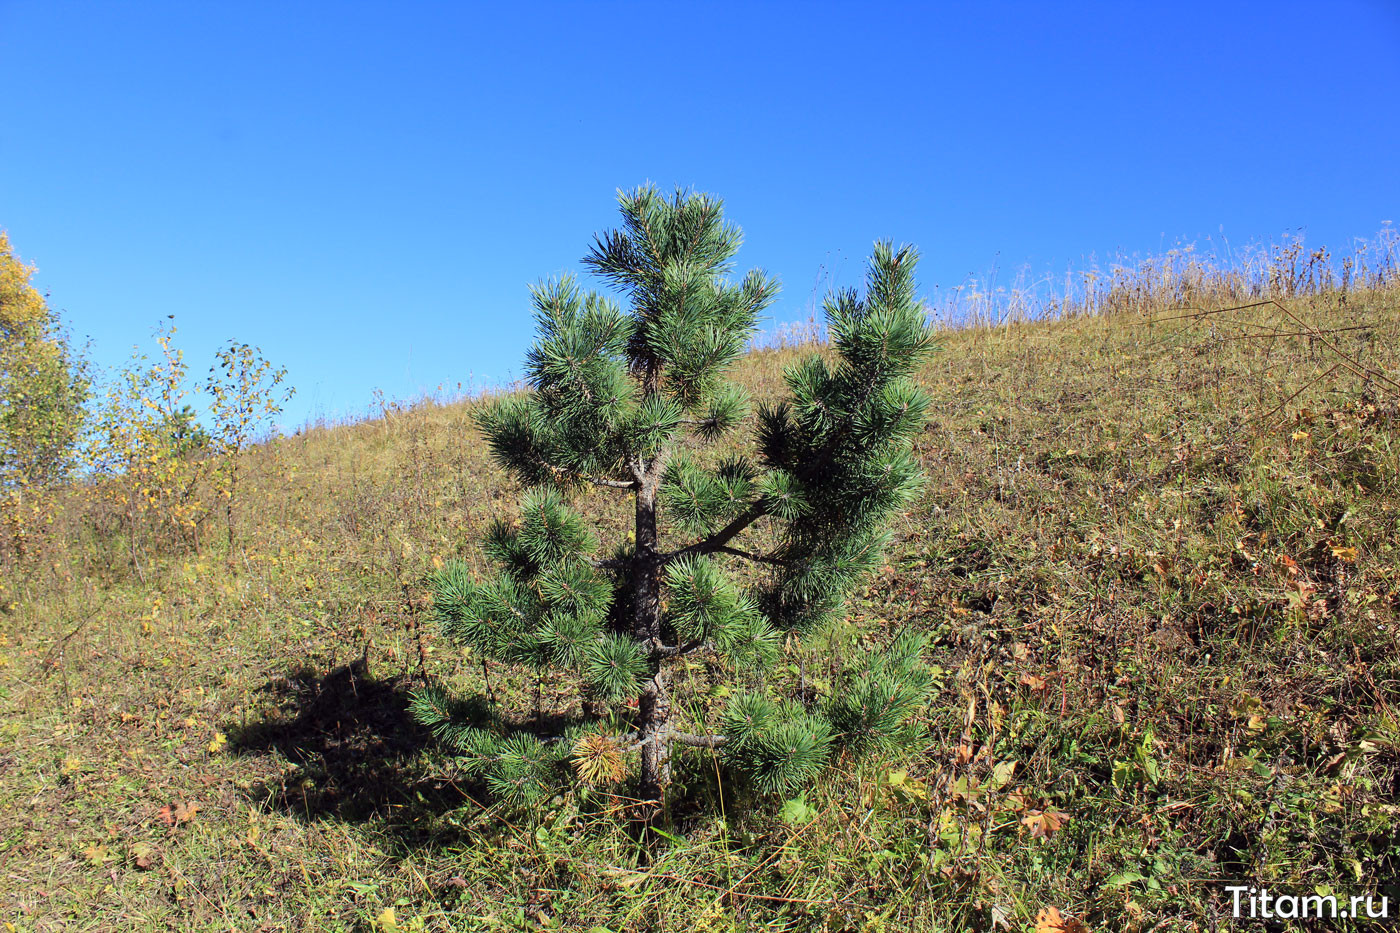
[622,402]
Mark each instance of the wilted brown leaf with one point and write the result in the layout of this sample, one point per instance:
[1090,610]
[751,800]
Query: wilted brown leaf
[1044,823]
[173,814]
[143,855]
[1050,920]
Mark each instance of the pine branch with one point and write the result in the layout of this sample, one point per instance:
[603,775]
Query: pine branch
[676,651]
[610,564]
[717,541]
[720,538]
[595,480]
[698,741]
[761,558]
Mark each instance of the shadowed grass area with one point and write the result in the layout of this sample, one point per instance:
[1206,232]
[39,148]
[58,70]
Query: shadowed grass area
[1157,556]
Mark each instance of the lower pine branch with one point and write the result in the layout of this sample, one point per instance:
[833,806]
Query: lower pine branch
[698,741]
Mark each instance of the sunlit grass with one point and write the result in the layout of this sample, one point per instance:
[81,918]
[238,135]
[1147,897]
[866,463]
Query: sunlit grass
[1161,585]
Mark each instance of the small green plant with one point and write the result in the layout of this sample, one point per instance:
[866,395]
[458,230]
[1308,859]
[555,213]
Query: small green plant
[769,542]
[244,394]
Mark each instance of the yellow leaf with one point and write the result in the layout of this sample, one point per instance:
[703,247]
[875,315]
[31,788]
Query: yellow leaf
[1345,554]
[907,787]
[387,920]
[97,854]
[218,742]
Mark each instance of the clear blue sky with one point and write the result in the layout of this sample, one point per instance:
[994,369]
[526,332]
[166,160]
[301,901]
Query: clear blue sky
[366,191]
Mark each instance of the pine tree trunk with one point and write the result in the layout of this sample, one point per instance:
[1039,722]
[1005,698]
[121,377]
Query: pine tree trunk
[646,568]
[654,706]
[656,748]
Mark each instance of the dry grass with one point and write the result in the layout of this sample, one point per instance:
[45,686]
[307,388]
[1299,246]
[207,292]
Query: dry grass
[1157,555]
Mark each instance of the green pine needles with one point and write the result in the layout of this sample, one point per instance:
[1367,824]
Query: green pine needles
[764,546]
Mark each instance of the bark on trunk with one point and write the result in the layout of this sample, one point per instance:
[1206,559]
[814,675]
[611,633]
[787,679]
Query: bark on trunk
[646,568]
[656,745]
[654,706]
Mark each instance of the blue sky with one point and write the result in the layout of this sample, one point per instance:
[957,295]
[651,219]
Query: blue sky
[366,191]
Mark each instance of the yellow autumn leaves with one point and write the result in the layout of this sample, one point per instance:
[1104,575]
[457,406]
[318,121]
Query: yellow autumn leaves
[43,386]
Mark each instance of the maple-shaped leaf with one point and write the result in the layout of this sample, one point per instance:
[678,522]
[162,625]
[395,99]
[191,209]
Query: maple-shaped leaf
[143,855]
[1035,683]
[1001,774]
[1050,920]
[907,787]
[173,814]
[1345,554]
[1016,801]
[1044,823]
[97,853]
[967,788]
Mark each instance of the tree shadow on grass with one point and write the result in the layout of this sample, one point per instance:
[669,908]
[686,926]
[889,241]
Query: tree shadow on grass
[356,752]
[357,755]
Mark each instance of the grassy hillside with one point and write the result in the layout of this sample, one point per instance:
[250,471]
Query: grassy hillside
[1157,555]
